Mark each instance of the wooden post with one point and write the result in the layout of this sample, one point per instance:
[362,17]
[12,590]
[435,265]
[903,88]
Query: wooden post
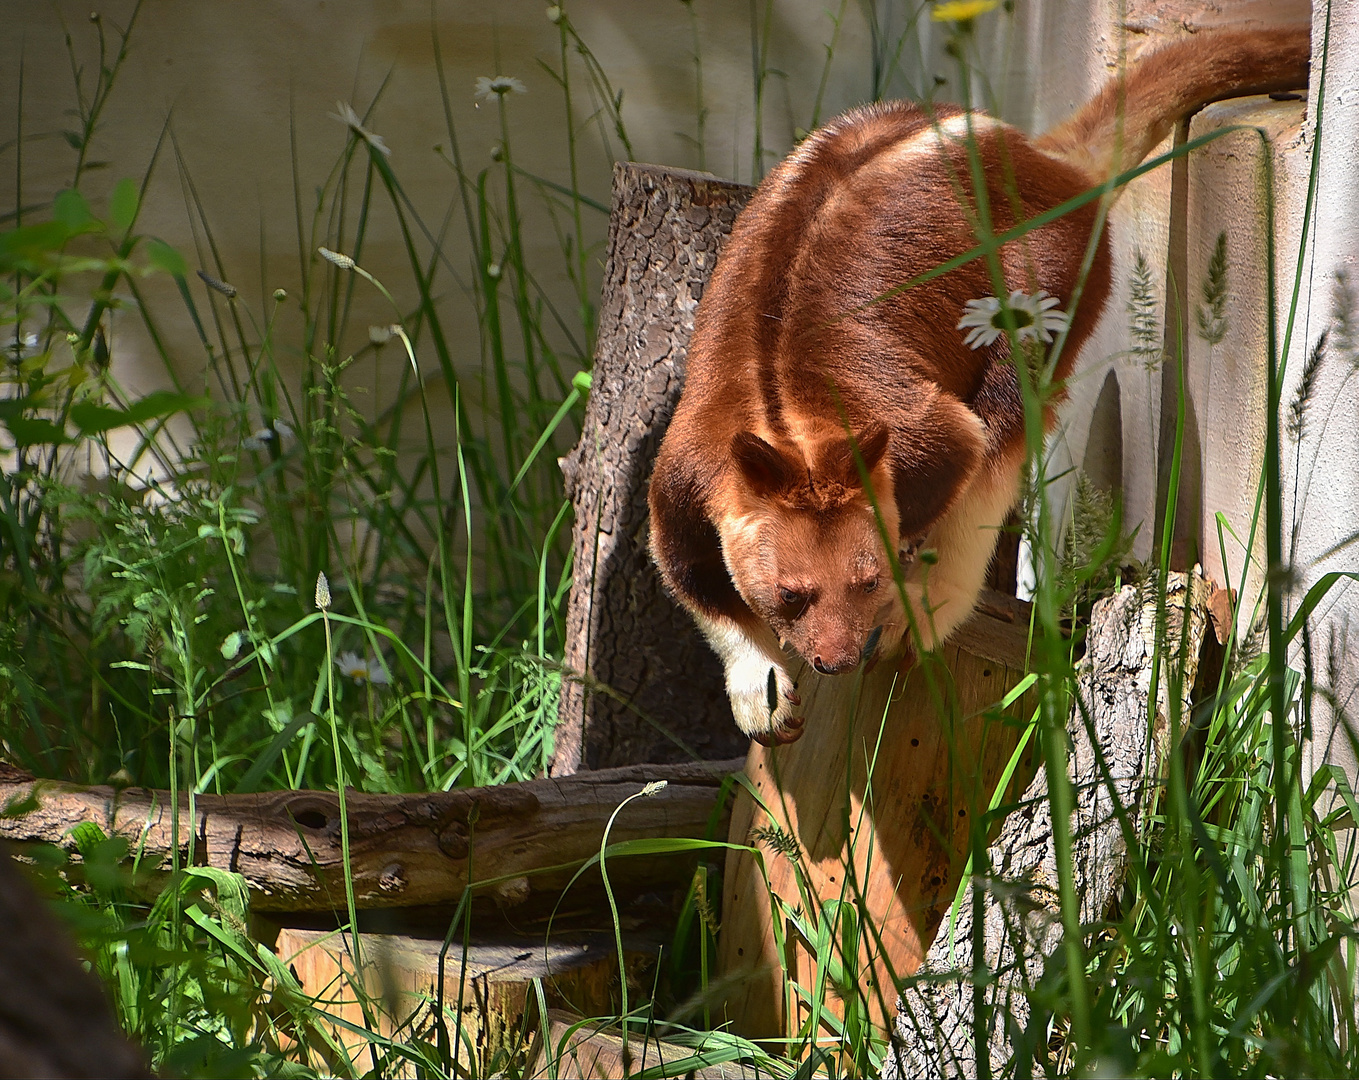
[872,806]
[935,1030]
[642,684]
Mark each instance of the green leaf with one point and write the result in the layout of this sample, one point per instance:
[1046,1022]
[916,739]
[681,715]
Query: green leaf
[163,257]
[86,836]
[29,430]
[31,244]
[71,209]
[123,204]
[231,645]
[93,419]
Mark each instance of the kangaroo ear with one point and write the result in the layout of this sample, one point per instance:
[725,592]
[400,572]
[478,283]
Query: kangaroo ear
[766,469]
[835,462]
[872,443]
[933,459]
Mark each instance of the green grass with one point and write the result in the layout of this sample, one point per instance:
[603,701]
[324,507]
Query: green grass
[162,621]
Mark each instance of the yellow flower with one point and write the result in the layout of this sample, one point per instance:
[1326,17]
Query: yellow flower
[962,10]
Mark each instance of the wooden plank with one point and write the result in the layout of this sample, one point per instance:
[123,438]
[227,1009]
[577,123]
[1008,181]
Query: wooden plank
[935,1032]
[891,836]
[493,981]
[583,1050]
[405,850]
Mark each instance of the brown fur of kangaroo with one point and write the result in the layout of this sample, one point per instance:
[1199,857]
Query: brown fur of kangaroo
[760,523]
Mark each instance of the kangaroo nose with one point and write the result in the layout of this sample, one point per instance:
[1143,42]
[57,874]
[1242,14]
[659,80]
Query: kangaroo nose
[839,668]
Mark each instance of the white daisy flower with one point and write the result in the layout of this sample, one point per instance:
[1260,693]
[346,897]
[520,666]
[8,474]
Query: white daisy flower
[360,670]
[499,86]
[22,345]
[280,428]
[1036,317]
[348,116]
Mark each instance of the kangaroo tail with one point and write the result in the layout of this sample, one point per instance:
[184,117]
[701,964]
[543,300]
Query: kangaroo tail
[1124,122]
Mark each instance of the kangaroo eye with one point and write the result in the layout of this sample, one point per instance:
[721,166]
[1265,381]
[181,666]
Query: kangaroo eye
[870,584]
[790,597]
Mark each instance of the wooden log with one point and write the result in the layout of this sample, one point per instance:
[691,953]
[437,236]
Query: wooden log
[643,685]
[487,991]
[934,1033]
[405,850]
[874,806]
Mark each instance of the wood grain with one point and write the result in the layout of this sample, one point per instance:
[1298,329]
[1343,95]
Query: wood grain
[935,1031]
[405,850]
[880,794]
[643,685]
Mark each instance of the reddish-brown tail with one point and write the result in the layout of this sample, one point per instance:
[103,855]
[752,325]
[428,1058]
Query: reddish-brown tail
[1122,124]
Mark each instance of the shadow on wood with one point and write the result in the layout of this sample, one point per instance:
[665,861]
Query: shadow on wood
[874,806]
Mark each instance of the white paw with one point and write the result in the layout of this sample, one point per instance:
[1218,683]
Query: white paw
[764,699]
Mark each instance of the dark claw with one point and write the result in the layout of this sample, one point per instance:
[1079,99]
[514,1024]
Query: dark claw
[792,697]
[790,732]
[870,649]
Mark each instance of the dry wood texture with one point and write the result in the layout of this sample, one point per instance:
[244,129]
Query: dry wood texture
[405,850]
[644,685]
[879,795]
[934,1030]
[582,1050]
[489,989]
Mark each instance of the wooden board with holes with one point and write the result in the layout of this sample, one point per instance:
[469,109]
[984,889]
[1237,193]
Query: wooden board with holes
[873,805]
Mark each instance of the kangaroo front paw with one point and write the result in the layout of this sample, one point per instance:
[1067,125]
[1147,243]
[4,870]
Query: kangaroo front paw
[790,732]
[763,699]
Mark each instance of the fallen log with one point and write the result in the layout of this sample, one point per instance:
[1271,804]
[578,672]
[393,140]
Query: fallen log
[934,1032]
[405,850]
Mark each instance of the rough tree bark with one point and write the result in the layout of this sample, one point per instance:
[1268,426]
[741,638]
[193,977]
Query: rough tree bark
[405,850]
[934,1031]
[643,685]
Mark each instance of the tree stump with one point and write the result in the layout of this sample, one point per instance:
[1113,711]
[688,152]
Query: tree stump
[873,806]
[642,684]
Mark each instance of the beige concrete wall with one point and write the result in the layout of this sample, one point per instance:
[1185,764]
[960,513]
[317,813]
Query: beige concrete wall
[240,81]
[248,89]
